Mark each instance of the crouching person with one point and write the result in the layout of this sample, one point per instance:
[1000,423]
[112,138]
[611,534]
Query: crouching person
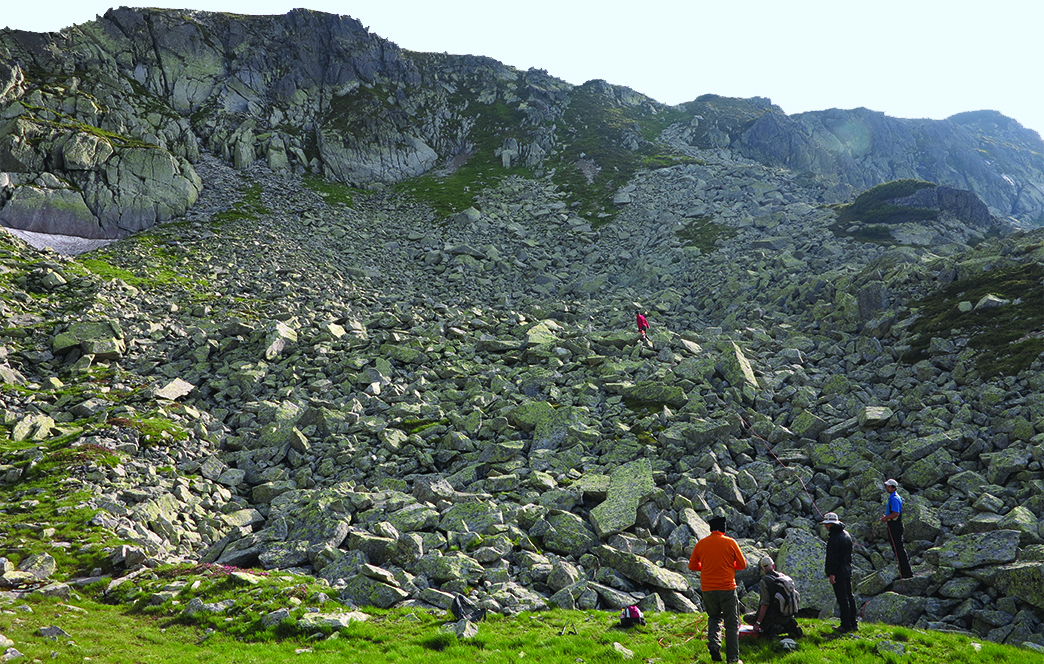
[779,603]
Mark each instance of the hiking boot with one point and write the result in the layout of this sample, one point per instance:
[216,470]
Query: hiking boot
[796,633]
[715,655]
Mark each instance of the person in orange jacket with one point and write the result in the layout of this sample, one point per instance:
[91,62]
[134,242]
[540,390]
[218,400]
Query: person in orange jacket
[717,558]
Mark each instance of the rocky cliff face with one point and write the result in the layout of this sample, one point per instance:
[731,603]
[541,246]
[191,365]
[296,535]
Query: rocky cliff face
[104,119]
[102,122]
[851,151]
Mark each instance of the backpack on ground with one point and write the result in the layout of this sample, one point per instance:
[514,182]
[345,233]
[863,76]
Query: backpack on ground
[786,598]
[631,616]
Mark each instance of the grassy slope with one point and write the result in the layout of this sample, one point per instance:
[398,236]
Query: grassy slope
[112,634]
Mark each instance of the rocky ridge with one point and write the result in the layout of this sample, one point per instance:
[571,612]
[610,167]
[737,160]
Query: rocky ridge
[101,123]
[410,408]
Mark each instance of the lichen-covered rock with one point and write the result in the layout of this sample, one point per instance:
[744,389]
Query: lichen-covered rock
[1024,580]
[735,367]
[335,621]
[640,569]
[40,565]
[103,339]
[320,517]
[565,533]
[920,520]
[367,591]
[451,567]
[629,486]
[975,550]
[893,609]
[1024,521]
[802,556]
[475,517]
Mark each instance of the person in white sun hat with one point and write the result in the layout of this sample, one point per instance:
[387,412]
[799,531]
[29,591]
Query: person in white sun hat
[838,569]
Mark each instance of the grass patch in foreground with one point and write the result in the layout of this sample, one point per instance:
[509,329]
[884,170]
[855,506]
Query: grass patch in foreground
[111,634]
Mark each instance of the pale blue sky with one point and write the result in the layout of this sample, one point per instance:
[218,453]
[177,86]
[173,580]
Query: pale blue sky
[906,58]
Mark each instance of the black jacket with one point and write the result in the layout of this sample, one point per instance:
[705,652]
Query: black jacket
[839,553]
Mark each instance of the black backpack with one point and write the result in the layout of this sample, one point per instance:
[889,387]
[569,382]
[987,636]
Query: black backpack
[785,597]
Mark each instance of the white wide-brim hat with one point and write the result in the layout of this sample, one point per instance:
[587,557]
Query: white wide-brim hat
[830,519]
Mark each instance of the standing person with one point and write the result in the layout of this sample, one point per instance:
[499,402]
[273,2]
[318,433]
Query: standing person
[838,569]
[778,603]
[643,324]
[717,558]
[894,519]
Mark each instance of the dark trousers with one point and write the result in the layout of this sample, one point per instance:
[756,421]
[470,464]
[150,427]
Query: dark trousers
[895,534]
[722,605]
[845,601]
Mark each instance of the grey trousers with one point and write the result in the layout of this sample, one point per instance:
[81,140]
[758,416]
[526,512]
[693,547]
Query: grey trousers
[721,606]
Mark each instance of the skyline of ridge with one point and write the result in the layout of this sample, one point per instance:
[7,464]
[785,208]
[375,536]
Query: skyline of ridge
[944,58]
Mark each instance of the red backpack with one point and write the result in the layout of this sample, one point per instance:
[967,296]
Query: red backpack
[631,616]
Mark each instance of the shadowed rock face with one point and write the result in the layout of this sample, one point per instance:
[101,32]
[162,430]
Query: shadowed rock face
[853,150]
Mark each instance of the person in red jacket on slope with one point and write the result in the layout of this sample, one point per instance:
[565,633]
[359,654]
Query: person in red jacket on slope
[643,324]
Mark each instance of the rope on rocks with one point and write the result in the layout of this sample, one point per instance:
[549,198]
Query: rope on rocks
[768,449]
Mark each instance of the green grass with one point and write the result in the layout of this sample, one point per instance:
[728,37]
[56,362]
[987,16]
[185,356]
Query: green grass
[42,509]
[334,193]
[71,124]
[702,233]
[594,161]
[1007,338]
[591,160]
[116,635]
[452,190]
[249,206]
[153,428]
[729,115]
[158,273]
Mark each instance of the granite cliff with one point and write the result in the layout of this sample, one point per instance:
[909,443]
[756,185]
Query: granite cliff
[103,121]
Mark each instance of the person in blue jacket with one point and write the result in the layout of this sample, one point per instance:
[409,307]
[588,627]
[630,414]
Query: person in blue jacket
[893,517]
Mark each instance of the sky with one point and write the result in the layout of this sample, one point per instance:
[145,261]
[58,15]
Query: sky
[905,58]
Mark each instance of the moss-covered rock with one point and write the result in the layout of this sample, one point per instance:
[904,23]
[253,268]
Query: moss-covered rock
[629,486]
[976,550]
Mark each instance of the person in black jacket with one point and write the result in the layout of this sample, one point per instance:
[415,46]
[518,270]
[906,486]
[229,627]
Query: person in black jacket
[839,570]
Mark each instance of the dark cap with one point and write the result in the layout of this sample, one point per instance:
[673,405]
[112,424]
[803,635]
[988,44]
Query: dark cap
[717,523]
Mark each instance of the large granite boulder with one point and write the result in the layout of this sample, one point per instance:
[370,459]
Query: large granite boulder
[894,609]
[629,486]
[803,556]
[977,549]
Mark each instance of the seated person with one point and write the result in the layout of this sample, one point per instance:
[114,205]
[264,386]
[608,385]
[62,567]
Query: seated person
[778,604]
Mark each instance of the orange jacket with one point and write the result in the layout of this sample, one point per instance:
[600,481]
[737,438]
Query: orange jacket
[717,558]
